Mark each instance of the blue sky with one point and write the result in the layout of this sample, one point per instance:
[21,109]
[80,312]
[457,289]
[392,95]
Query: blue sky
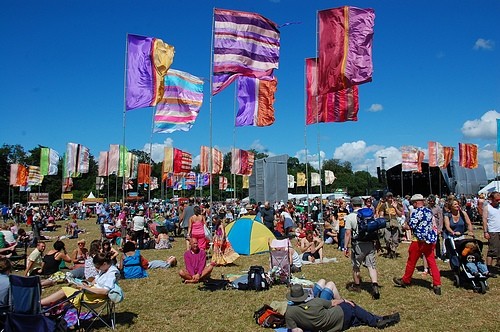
[436,78]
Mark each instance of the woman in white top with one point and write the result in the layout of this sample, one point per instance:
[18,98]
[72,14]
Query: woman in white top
[138,228]
[96,291]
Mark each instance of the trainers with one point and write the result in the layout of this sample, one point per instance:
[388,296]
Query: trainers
[386,321]
[399,282]
[354,288]
[375,292]
[437,290]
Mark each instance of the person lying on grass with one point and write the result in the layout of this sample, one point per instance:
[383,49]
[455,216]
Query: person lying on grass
[135,265]
[329,312]
[195,259]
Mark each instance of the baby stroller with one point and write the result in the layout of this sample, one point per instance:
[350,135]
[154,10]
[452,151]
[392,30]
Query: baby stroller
[462,276]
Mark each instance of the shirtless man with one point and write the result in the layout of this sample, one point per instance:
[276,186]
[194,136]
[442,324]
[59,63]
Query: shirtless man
[311,247]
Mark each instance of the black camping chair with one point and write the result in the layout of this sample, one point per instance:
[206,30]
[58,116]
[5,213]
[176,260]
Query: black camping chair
[25,312]
[19,261]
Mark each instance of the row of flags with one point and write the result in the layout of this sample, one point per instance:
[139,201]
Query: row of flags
[118,161]
[439,156]
[315,179]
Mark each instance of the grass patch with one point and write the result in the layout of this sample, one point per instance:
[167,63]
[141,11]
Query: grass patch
[162,303]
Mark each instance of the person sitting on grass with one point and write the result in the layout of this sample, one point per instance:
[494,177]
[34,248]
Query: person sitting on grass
[329,312]
[311,247]
[5,270]
[97,290]
[134,265]
[54,259]
[35,259]
[195,259]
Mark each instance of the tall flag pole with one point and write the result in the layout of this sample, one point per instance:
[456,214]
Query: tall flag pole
[125,74]
[496,155]
[210,156]
[305,148]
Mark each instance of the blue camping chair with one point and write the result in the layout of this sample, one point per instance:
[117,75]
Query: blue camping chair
[25,312]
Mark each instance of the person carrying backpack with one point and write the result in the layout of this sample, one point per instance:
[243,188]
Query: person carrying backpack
[361,245]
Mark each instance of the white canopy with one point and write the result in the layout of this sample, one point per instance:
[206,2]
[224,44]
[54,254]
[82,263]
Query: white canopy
[91,195]
[492,186]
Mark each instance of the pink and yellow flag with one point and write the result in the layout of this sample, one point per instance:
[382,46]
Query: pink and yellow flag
[338,106]
[345,47]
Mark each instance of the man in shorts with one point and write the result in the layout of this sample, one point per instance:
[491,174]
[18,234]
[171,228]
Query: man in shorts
[361,252]
[311,247]
[491,228]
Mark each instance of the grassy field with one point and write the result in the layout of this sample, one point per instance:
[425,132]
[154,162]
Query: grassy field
[162,303]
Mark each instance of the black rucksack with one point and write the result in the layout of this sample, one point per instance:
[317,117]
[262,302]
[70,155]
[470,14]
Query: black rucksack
[368,225]
[214,284]
[257,279]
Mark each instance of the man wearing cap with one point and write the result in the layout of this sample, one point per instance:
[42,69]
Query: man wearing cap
[362,252]
[333,315]
[424,240]
[391,210]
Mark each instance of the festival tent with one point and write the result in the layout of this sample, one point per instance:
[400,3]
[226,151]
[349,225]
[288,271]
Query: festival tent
[248,236]
[490,187]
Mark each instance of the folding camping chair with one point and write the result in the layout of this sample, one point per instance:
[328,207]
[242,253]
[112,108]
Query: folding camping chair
[19,261]
[281,261]
[103,312]
[25,311]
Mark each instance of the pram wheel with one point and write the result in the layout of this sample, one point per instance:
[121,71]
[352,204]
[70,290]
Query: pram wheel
[483,287]
[456,280]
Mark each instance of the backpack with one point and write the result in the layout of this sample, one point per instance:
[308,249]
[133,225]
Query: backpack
[115,294]
[368,225]
[257,279]
[268,317]
[214,284]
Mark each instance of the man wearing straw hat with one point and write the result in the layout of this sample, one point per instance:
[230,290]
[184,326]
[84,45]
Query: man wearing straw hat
[423,227]
[319,314]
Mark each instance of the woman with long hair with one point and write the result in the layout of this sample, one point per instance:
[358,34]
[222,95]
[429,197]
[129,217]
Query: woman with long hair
[223,251]
[196,228]
[456,222]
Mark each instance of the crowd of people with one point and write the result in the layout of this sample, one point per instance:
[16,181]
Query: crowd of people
[424,222]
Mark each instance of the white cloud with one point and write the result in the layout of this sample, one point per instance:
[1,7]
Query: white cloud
[486,127]
[196,161]
[484,44]
[376,108]
[311,158]
[350,151]
[157,149]
[391,156]
[257,146]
